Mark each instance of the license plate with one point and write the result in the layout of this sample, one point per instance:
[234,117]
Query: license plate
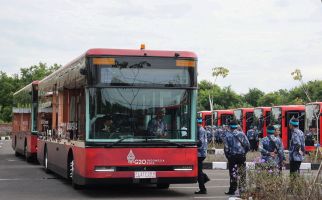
[146,174]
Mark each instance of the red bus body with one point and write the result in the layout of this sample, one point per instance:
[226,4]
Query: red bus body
[281,115]
[313,121]
[68,144]
[244,117]
[262,119]
[24,135]
[222,117]
[206,117]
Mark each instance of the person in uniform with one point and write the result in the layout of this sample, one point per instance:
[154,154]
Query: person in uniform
[236,146]
[157,126]
[271,150]
[202,153]
[252,136]
[297,147]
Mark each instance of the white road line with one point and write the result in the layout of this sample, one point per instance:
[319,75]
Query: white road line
[214,197]
[192,187]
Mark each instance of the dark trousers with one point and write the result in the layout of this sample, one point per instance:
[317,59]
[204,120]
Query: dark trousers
[201,175]
[295,167]
[253,145]
[237,168]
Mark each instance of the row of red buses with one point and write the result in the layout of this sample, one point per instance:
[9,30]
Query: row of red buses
[261,119]
[244,117]
[206,117]
[281,115]
[24,121]
[93,118]
[222,117]
[313,124]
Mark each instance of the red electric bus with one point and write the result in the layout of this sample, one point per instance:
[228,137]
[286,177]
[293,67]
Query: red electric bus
[313,124]
[222,117]
[104,107]
[262,119]
[24,121]
[206,117]
[281,115]
[244,117]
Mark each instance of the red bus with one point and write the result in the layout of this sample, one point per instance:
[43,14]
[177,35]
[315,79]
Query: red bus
[206,117]
[262,120]
[281,115]
[24,121]
[121,116]
[222,117]
[313,124]
[244,117]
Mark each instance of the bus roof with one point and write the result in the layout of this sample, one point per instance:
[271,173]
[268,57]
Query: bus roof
[139,52]
[290,107]
[27,87]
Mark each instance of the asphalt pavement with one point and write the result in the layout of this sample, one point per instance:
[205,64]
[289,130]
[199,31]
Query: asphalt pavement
[28,181]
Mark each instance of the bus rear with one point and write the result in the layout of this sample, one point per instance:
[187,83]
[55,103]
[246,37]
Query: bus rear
[313,126]
[280,117]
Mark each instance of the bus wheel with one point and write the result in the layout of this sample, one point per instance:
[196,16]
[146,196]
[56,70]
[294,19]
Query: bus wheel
[16,153]
[28,159]
[163,185]
[46,161]
[71,171]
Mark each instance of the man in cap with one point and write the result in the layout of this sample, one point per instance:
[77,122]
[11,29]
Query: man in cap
[252,136]
[202,153]
[236,146]
[297,147]
[271,149]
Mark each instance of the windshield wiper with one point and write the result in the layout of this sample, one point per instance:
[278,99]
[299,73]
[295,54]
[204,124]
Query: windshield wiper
[166,141]
[117,142]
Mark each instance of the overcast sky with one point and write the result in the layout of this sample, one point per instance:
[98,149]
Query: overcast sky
[260,41]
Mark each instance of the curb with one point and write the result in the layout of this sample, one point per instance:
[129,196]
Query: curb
[5,138]
[251,165]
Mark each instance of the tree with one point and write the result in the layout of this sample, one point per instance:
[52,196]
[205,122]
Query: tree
[297,75]
[11,84]
[253,96]
[216,72]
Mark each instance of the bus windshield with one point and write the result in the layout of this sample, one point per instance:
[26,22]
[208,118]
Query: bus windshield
[138,113]
[238,116]
[141,71]
[215,118]
[276,116]
[258,119]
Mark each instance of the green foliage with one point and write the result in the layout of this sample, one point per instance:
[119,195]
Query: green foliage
[226,98]
[253,96]
[11,84]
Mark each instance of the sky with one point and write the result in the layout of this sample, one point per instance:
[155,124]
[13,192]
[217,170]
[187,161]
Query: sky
[260,41]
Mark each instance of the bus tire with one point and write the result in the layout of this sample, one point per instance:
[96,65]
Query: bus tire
[71,172]
[46,161]
[16,153]
[28,159]
[163,185]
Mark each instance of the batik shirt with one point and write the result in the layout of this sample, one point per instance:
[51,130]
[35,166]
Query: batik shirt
[297,144]
[270,144]
[202,139]
[236,143]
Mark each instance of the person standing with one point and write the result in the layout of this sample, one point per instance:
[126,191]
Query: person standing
[252,136]
[202,153]
[236,146]
[157,127]
[271,149]
[297,147]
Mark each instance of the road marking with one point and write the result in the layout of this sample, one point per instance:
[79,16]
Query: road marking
[192,187]
[11,160]
[27,179]
[215,197]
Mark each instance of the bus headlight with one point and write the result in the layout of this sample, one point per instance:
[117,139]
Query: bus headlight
[104,169]
[183,168]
